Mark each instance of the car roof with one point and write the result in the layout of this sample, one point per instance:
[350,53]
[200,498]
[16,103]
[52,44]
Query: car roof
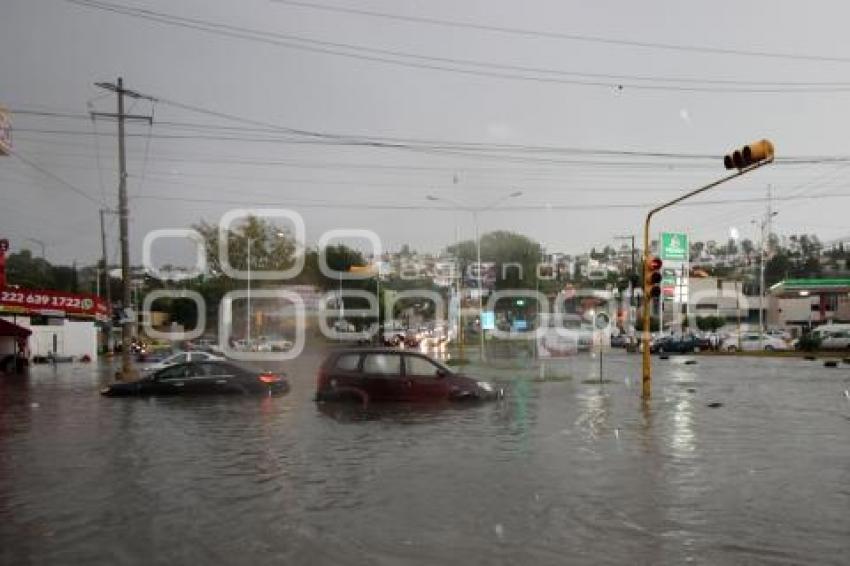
[372,351]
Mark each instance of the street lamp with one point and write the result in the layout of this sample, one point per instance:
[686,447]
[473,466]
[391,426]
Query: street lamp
[475,211]
[762,257]
[250,242]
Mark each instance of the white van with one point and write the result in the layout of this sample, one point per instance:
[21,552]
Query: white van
[833,336]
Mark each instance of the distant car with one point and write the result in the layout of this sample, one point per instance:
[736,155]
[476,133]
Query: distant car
[182,358]
[206,377]
[754,341]
[394,334]
[781,334]
[383,374]
[835,340]
[675,345]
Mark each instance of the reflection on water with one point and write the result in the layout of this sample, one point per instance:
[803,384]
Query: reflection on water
[559,471]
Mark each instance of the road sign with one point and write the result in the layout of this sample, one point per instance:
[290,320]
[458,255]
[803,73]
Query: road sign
[674,246]
[488,320]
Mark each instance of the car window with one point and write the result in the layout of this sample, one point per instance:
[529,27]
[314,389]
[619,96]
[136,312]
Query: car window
[415,365]
[207,370]
[347,362]
[382,364]
[177,359]
[175,372]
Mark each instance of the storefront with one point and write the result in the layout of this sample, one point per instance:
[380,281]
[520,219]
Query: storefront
[60,324]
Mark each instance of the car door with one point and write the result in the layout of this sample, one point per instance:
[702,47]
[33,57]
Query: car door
[345,372]
[426,379]
[170,381]
[203,379]
[382,377]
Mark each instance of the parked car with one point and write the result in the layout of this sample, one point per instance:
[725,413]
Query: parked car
[394,333]
[182,358]
[835,340]
[205,377]
[385,374]
[781,334]
[752,341]
[675,344]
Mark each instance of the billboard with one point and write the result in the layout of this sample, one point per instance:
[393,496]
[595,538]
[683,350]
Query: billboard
[674,246]
[51,303]
[5,132]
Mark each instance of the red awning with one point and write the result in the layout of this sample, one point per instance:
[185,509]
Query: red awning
[9,329]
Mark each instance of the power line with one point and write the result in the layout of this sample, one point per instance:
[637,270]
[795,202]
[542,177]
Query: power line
[570,36]
[386,141]
[448,151]
[484,69]
[512,208]
[53,176]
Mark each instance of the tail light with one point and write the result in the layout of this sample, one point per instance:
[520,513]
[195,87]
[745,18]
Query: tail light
[269,378]
[322,381]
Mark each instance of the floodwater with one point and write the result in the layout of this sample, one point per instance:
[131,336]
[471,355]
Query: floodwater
[565,471]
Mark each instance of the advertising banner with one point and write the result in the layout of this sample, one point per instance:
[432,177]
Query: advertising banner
[674,246]
[51,303]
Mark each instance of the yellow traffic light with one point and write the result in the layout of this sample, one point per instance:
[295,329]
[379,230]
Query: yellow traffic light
[755,152]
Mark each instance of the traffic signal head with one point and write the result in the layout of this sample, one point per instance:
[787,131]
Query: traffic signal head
[653,276]
[655,264]
[749,155]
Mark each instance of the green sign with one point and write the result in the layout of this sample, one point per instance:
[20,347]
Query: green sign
[674,246]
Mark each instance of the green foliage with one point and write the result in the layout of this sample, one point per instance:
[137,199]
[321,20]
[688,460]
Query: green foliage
[653,324]
[36,273]
[710,323]
[809,342]
[515,252]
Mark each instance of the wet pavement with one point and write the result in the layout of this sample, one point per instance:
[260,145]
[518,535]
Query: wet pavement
[561,471]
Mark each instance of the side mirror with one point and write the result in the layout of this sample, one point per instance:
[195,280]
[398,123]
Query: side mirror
[441,373]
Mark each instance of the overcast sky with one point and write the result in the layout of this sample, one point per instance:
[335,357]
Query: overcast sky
[361,82]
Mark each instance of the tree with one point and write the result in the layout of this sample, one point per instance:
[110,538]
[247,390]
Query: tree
[710,323]
[27,271]
[505,249]
[272,248]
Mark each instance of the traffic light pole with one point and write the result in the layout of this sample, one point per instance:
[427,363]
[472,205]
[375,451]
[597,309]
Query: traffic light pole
[647,299]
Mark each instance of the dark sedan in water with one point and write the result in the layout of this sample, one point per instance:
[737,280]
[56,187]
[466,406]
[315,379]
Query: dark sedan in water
[390,375]
[214,377]
[676,345]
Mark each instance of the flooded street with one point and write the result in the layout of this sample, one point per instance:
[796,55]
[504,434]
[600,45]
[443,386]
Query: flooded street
[562,471]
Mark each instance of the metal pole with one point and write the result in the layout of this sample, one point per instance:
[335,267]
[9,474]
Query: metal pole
[480,287]
[126,324]
[248,321]
[738,311]
[107,287]
[647,300]
[459,273]
[761,288]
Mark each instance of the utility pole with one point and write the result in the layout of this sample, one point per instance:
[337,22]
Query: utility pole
[107,294]
[123,212]
[765,236]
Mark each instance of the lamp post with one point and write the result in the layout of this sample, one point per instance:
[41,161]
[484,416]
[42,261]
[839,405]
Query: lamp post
[475,211]
[250,241]
[762,257]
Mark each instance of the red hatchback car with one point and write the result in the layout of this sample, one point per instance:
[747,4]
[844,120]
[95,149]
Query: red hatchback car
[389,375]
